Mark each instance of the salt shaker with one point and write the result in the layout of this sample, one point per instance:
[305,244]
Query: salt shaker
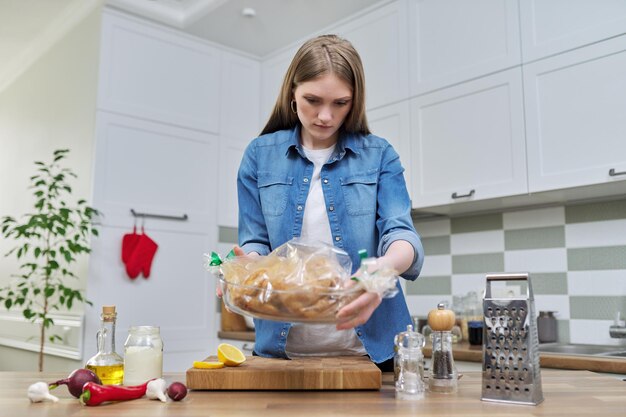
[409,364]
[443,374]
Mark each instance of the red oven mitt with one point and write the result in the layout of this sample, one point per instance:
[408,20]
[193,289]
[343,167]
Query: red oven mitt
[140,259]
[129,243]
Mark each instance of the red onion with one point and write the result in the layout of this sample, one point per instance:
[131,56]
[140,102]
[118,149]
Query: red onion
[76,380]
[177,391]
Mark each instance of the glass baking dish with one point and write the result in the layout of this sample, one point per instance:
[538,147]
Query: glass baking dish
[306,303]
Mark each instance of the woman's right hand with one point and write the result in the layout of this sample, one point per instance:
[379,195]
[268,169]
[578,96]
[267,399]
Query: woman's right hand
[238,252]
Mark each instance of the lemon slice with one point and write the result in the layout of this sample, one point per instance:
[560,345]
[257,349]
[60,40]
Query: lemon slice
[229,355]
[207,365]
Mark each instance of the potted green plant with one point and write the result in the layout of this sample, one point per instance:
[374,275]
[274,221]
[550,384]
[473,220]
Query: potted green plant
[48,242]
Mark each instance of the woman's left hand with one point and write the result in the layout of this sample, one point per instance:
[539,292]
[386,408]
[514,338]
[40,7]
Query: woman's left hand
[358,312]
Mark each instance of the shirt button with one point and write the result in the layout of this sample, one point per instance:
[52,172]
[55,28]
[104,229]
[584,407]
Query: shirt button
[299,208]
[325,180]
[337,238]
[331,208]
[306,180]
[283,333]
[359,333]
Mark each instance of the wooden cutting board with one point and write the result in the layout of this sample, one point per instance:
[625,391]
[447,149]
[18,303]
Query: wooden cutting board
[318,373]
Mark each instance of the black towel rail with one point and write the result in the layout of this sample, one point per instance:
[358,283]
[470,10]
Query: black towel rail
[184,217]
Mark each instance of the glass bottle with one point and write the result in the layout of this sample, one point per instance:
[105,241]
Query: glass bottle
[443,374]
[107,364]
[428,333]
[143,355]
[473,310]
[409,364]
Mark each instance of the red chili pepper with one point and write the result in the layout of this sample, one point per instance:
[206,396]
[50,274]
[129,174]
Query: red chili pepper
[95,394]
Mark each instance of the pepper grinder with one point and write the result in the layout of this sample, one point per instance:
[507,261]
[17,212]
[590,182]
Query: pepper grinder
[443,374]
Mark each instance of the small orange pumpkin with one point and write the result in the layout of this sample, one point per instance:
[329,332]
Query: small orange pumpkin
[441,320]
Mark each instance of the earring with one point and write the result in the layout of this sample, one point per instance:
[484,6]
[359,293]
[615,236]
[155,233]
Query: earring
[293,106]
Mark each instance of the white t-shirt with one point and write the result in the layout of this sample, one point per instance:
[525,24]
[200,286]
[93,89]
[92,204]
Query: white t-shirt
[319,339]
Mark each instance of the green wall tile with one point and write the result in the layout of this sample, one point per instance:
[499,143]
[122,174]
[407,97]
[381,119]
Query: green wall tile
[476,223]
[549,283]
[596,307]
[523,286]
[480,263]
[607,210]
[536,238]
[438,245]
[228,235]
[588,259]
[562,329]
[434,285]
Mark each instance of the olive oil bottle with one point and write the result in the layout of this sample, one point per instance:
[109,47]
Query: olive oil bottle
[107,364]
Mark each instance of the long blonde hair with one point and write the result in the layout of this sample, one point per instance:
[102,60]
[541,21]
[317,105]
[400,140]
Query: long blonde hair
[318,56]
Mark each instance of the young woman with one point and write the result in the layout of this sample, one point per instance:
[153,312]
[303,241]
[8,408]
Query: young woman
[317,172]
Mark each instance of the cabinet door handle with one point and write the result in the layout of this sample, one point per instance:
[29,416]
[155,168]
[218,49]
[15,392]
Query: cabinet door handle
[456,196]
[614,173]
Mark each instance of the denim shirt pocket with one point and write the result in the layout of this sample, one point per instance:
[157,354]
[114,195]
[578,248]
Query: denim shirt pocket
[359,192]
[273,191]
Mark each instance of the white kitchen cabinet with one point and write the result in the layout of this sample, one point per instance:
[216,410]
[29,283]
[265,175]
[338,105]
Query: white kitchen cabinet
[393,123]
[152,167]
[240,97]
[381,39]
[555,26]
[159,74]
[273,71]
[166,170]
[468,141]
[230,153]
[239,124]
[456,40]
[160,121]
[576,130]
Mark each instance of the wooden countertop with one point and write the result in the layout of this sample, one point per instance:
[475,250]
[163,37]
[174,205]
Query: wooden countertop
[571,393]
[616,365]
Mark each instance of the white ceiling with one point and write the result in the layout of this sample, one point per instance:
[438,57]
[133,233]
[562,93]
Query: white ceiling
[29,27]
[277,23]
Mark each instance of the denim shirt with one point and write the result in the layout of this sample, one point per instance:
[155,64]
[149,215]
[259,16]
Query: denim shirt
[368,208]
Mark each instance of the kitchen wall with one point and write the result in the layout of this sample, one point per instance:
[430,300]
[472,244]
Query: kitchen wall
[575,254]
[50,106]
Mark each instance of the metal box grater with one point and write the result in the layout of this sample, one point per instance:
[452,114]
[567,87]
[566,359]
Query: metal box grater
[511,372]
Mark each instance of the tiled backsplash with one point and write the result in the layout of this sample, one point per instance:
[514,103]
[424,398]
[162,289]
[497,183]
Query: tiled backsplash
[576,257]
[575,254]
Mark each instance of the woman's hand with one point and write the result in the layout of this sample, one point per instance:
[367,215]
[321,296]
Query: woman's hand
[358,312]
[399,256]
[238,252]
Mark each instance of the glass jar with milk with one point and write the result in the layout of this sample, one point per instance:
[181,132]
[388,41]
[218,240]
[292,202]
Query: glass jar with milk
[143,355]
